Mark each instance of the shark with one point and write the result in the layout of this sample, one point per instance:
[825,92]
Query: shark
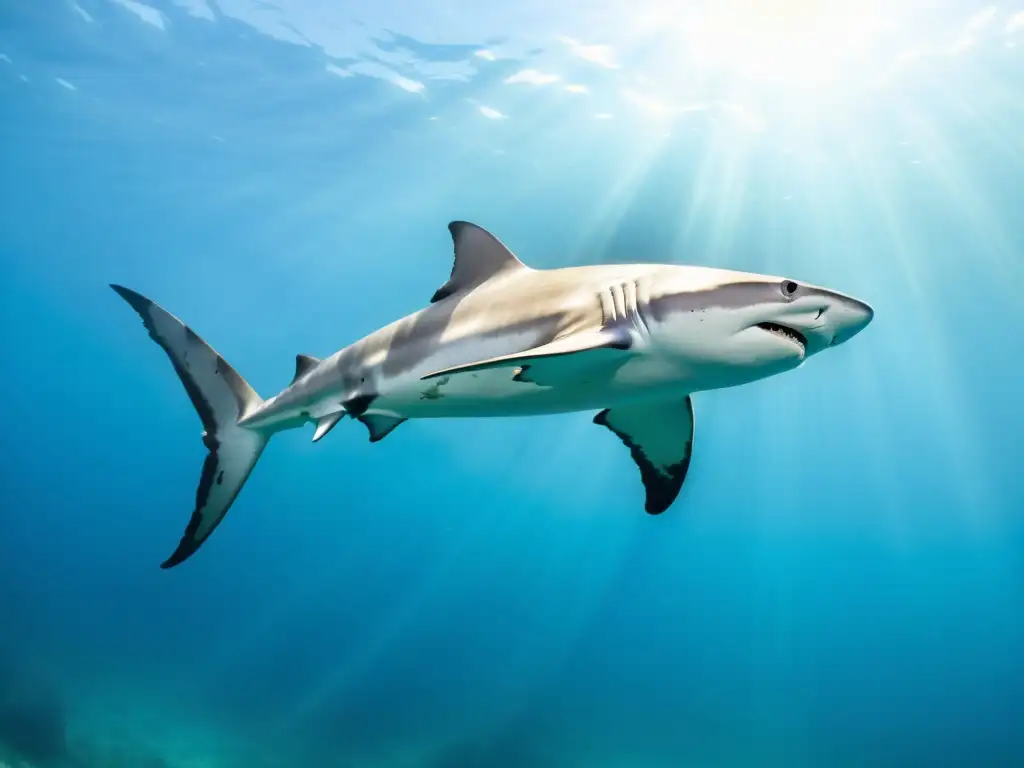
[633,342]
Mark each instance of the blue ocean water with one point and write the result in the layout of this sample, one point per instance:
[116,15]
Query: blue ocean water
[841,582]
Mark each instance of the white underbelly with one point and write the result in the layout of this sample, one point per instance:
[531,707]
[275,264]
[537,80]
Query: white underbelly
[496,393]
[481,393]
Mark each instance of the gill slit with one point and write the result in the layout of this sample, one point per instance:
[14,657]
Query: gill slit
[627,303]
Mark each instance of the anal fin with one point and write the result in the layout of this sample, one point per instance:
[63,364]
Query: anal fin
[380,425]
[326,423]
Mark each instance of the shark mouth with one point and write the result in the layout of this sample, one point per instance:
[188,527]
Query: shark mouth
[788,333]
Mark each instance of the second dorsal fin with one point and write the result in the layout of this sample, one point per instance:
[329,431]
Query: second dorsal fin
[303,365]
[479,256]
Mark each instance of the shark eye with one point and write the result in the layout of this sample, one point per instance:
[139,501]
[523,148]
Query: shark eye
[789,288]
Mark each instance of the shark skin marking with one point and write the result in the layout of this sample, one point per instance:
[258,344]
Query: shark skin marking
[433,392]
[630,341]
[359,404]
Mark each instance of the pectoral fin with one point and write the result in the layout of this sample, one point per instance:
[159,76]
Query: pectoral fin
[573,344]
[659,436]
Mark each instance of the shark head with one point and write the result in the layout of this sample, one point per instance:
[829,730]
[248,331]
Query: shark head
[729,328]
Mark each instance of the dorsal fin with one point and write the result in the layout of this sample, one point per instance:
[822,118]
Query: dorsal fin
[303,365]
[479,256]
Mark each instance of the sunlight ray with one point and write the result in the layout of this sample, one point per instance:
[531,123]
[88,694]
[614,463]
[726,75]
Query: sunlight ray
[413,603]
[982,101]
[944,384]
[834,211]
[965,196]
[487,586]
[718,195]
[599,226]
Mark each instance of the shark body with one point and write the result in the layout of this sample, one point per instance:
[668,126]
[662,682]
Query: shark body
[632,341]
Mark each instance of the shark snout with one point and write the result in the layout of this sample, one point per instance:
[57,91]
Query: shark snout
[848,317]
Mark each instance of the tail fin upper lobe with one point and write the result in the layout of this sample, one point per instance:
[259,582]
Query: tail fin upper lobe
[221,398]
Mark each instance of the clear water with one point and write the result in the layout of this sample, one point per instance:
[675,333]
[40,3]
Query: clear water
[840,583]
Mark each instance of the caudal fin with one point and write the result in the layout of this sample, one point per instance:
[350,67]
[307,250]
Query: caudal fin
[221,398]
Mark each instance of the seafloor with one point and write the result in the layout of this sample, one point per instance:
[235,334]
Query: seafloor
[119,728]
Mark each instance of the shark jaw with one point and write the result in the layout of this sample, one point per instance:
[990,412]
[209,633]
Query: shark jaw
[785,332]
